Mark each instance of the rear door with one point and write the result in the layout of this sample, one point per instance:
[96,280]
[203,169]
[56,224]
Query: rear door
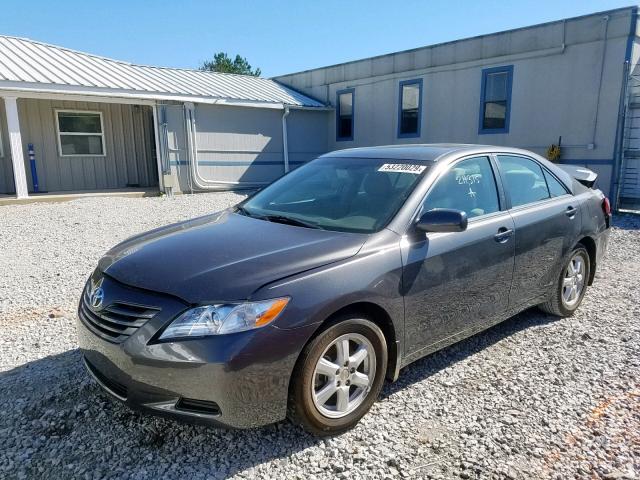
[547,224]
[457,281]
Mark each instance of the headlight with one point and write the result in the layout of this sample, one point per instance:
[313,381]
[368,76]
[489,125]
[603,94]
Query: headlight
[221,319]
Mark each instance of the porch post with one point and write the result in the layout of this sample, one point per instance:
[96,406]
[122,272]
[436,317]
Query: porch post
[15,144]
[159,153]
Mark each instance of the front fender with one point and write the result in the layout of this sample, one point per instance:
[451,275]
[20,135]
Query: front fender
[373,276]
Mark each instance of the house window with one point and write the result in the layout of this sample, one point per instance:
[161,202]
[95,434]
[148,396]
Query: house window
[80,133]
[495,103]
[409,108]
[344,114]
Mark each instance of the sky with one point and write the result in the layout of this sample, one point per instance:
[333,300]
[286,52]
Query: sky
[279,36]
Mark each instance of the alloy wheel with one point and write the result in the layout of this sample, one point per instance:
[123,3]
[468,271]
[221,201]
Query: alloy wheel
[343,375]
[573,281]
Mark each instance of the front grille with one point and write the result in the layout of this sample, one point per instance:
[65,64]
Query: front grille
[116,322]
[116,388]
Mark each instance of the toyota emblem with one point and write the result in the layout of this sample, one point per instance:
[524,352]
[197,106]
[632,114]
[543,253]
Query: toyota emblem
[97,296]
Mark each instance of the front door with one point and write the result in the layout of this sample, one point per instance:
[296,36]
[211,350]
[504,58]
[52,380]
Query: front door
[456,282]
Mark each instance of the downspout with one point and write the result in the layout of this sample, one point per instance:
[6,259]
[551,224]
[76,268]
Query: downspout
[285,142]
[602,60]
[192,149]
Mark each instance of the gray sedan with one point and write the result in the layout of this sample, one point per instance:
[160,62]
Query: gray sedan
[301,300]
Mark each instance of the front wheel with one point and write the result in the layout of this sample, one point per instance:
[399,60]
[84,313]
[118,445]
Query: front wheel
[338,377]
[571,286]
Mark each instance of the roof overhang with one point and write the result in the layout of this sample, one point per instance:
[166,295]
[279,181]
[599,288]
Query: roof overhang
[112,95]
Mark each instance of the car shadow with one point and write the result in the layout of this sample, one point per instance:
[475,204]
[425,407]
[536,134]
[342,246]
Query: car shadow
[447,357]
[626,221]
[55,417]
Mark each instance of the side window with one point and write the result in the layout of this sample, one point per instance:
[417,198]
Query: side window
[80,133]
[524,180]
[344,114]
[469,186]
[495,99]
[555,187]
[409,108]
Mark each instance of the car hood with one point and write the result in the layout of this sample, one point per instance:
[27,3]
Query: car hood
[223,257]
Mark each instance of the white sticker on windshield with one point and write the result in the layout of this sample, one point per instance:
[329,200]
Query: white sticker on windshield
[402,168]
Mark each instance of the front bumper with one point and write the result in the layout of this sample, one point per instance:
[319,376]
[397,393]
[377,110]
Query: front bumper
[238,380]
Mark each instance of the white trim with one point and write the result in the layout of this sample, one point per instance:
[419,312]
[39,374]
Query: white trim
[80,134]
[23,89]
[1,145]
[45,95]
[15,146]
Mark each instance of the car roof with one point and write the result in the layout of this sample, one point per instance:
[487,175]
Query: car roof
[429,152]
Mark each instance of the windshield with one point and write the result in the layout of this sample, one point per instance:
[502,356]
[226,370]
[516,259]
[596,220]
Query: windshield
[344,194]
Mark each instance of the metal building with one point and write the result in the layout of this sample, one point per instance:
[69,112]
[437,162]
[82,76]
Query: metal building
[575,82]
[70,121]
[100,124]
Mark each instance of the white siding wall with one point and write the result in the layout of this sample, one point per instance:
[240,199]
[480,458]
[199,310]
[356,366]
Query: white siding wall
[555,90]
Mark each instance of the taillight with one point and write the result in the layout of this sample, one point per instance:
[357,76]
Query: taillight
[606,207]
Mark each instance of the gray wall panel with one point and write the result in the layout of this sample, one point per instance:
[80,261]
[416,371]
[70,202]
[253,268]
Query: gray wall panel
[308,134]
[240,145]
[129,156]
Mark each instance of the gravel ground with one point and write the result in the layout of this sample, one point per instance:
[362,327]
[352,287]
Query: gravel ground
[535,397]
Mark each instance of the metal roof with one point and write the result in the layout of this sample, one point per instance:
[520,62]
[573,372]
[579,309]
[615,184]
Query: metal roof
[37,66]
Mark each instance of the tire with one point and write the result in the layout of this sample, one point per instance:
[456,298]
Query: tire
[557,303]
[311,403]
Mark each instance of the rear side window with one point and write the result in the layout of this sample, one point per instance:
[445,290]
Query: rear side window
[555,187]
[469,186]
[524,180]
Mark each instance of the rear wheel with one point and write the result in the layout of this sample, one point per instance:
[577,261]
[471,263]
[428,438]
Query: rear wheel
[571,285]
[338,376]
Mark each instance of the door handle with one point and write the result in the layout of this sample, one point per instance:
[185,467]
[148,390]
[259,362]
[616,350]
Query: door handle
[503,235]
[571,211]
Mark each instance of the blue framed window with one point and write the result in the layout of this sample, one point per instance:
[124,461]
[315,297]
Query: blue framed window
[495,99]
[409,108]
[345,109]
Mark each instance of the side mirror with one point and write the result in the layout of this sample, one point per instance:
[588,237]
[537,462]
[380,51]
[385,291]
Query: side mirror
[442,220]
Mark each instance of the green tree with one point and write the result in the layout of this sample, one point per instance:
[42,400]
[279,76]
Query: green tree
[222,63]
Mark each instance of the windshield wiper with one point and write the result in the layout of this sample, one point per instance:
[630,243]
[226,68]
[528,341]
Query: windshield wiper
[243,211]
[291,221]
[278,219]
